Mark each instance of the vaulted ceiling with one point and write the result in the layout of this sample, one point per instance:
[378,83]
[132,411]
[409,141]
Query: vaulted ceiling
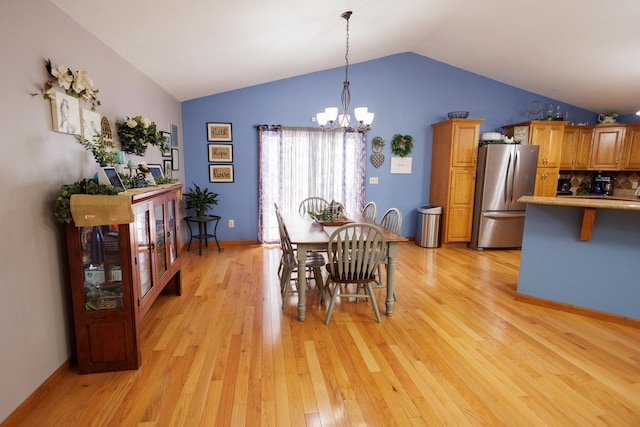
[581,52]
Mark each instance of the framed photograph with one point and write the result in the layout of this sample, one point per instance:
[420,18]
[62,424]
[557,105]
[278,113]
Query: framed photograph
[65,112]
[220,152]
[90,123]
[156,171]
[167,168]
[220,173]
[175,159]
[174,135]
[219,132]
[108,175]
[167,139]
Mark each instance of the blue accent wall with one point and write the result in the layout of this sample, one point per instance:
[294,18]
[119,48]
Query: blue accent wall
[407,92]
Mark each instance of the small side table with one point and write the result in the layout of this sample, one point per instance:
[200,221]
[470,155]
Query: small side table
[203,234]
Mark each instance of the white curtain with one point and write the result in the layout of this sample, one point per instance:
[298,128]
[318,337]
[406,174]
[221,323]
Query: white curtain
[296,163]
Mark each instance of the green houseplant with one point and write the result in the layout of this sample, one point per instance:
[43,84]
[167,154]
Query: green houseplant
[62,210]
[100,147]
[136,132]
[200,200]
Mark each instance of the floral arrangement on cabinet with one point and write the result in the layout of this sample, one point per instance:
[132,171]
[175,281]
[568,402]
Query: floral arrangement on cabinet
[136,132]
[78,85]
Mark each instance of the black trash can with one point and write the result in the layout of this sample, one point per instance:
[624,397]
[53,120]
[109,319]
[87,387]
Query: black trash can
[428,226]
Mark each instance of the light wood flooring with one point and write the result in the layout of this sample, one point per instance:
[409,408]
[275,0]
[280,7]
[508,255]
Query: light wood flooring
[458,350]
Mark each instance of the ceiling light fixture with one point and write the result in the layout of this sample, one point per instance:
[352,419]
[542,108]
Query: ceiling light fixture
[328,117]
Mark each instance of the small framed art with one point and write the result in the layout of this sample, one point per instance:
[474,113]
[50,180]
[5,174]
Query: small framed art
[90,123]
[220,173]
[175,159]
[219,132]
[65,111]
[220,152]
[167,168]
[167,143]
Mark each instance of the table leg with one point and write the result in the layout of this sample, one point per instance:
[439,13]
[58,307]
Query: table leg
[215,234]
[391,275]
[302,282]
[200,238]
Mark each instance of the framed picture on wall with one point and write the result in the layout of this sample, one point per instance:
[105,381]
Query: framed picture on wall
[167,143]
[220,152]
[167,168]
[219,132]
[220,173]
[90,123]
[65,111]
[175,159]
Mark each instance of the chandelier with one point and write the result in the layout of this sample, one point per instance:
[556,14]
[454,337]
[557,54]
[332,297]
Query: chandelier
[329,117]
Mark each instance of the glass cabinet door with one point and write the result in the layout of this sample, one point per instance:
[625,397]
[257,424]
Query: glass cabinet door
[101,265]
[172,231]
[143,246]
[160,245]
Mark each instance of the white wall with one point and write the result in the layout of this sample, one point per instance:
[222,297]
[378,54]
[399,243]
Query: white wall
[35,320]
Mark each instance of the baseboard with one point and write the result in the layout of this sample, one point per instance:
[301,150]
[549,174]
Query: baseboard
[600,315]
[23,410]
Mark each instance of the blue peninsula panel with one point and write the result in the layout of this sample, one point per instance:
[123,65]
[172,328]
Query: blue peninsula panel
[601,274]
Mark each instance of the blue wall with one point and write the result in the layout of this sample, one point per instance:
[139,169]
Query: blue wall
[407,93]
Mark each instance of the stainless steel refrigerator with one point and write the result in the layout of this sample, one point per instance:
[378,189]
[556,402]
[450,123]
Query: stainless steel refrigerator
[505,173]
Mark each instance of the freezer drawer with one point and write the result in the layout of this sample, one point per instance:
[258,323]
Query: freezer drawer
[499,230]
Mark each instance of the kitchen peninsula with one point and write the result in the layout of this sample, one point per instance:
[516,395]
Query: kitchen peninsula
[582,254]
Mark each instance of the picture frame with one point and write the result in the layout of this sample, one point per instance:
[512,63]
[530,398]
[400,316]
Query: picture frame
[168,141]
[174,135]
[108,175]
[167,168]
[220,153]
[65,113]
[156,170]
[175,159]
[219,132]
[220,173]
[91,123]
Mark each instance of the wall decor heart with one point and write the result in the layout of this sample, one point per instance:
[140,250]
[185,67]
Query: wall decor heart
[377,159]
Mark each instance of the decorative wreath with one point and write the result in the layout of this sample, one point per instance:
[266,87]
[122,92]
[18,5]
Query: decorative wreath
[401,145]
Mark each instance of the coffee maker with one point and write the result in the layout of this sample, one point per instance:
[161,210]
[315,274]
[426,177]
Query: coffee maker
[564,185]
[602,184]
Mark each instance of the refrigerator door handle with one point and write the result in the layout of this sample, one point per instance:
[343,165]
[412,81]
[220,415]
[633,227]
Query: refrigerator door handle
[506,181]
[515,171]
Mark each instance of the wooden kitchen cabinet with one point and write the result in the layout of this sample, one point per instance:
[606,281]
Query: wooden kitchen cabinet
[549,136]
[631,147]
[576,147]
[607,147]
[116,271]
[454,158]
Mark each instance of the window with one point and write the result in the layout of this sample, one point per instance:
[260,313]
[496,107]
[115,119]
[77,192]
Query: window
[296,163]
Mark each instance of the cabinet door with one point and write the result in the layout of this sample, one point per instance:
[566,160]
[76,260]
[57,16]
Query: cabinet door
[460,207]
[632,148]
[143,254]
[549,137]
[159,246]
[570,140]
[465,144]
[546,182]
[172,229]
[607,144]
[583,151]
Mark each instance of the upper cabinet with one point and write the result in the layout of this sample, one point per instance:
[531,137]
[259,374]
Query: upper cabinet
[607,147]
[631,147]
[576,147]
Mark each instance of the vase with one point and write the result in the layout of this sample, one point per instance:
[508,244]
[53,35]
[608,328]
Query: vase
[97,245]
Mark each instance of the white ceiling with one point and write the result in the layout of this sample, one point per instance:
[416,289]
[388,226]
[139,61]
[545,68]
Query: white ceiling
[581,52]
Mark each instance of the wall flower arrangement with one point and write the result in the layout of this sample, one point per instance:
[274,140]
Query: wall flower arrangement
[78,85]
[137,132]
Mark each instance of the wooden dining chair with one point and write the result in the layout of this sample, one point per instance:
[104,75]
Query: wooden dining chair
[370,211]
[354,252]
[289,263]
[392,221]
[312,204]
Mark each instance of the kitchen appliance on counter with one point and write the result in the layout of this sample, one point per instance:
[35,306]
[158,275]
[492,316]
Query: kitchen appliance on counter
[602,184]
[505,173]
[564,185]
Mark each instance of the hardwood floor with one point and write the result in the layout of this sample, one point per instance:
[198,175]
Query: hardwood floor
[458,350]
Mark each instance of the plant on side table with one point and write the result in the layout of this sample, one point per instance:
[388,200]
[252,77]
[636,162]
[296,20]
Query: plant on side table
[200,200]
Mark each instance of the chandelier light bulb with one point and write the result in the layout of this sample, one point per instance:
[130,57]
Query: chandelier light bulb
[331,113]
[321,118]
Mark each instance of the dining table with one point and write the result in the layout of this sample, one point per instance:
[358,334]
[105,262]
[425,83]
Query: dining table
[308,234]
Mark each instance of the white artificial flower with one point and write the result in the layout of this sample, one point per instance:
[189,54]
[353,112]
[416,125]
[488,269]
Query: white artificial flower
[82,82]
[132,123]
[64,77]
[145,122]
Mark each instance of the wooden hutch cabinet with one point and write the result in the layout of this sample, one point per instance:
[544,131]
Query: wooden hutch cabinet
[117,271]
[548,135]
[453,172]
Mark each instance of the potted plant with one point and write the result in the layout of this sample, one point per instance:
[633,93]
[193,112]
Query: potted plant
[136,132]
[100,147]
[200,200]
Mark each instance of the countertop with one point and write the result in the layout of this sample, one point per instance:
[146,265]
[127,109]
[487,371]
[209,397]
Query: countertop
[606,202]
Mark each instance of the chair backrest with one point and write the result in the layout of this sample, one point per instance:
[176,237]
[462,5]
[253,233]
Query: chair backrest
[288,255]
[354,252]
[312,204]
[370,211]
[392,220]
